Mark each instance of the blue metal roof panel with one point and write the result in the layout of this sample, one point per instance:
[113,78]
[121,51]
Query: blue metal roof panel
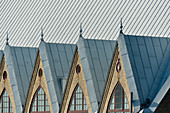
[124,45]
[50,83]
[20,71]
[1,54]
[57,61]
[96,56]
[162,92]
[148,57]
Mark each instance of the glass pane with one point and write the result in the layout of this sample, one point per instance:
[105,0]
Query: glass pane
[40,102]
[126,105]
[6,103]
[80,102]
[117,100]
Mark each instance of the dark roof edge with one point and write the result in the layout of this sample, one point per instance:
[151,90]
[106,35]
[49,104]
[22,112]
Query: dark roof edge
[162,92]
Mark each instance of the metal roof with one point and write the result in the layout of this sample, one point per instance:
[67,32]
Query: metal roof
[147,59]
[159,97]
[57,61]
[20,64]
[1,55]
[96,57]
[60,19]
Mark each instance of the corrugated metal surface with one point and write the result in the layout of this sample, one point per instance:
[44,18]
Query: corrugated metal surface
[20,64]
[57,61]
[60,19]
[148,58]
[96,57]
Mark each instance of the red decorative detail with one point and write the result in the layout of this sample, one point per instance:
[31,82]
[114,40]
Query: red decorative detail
[118,67]
[78,69]
[40,72]
[4,75]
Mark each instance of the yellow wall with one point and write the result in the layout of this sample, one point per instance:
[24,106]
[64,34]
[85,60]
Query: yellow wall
[36,82]
[113,78]
[5,84]
[73,80]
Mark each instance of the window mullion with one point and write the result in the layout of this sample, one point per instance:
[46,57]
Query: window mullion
[8,104]
[2,103]
[74,100]
[36,100]
[122,99]
[82,101]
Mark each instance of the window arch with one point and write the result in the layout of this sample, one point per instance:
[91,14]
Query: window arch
[5,103]
[40,103]
[118,102]
[78,102]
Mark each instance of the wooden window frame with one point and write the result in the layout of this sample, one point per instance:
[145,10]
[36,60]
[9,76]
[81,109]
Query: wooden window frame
[9,101]
[123,101]
[82,104]
[44,106]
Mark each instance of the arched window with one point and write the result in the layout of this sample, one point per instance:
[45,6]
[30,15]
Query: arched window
[40,103]
[78,102]
[118,102]
[5,103]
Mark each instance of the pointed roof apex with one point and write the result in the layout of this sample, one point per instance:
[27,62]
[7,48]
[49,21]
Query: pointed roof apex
[7,39]
[81,30]
[121,26]
[42,34]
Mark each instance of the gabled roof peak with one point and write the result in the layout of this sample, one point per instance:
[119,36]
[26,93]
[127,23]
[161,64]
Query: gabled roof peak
[7,39]
[121,26]
[81,30]
[42,35]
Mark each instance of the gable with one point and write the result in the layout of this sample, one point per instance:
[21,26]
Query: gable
[116,76]
[57,61]
[5,83]
[38,80]
[20,62]
[76,78]
[96,57]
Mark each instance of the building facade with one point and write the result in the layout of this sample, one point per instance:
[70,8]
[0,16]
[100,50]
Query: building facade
[130,74]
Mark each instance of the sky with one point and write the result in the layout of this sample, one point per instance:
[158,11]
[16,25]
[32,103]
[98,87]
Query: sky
[60,20]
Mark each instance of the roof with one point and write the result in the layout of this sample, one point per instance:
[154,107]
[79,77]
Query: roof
[20,64]
[1,55]
[159,97]
[60,20]
[147,59]
[96,57]
[57,60]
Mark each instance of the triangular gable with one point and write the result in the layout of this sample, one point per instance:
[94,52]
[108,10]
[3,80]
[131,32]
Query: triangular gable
[145,59]
[76,79]
[96,57]
[20,64]
[38,81]
[5,85]
[57,60]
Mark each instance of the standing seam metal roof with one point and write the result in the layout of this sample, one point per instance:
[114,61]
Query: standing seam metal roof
[1,55]
[96,57]
[20,64]
[57,61]
[148,58]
